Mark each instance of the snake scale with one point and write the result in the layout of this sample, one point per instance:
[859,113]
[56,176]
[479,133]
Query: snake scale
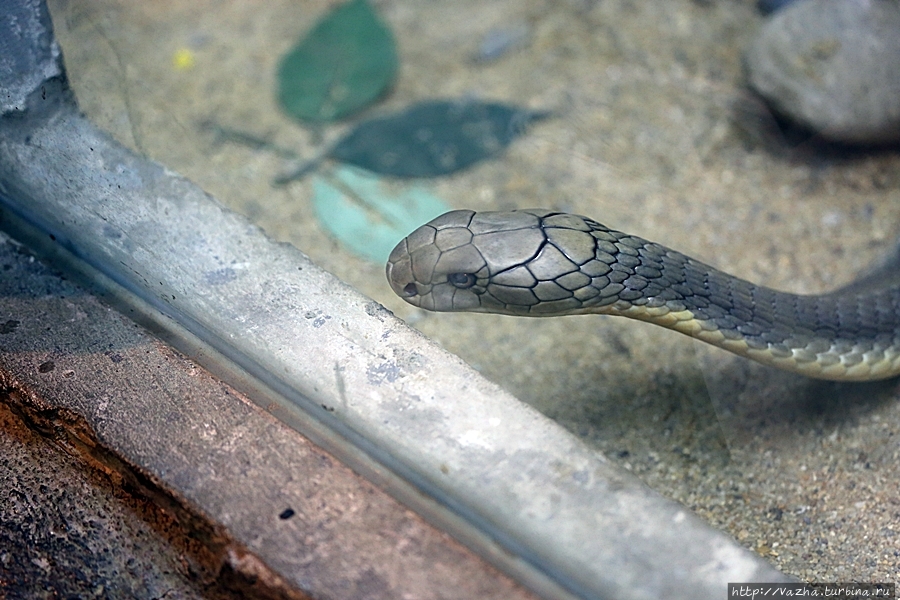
[539,262]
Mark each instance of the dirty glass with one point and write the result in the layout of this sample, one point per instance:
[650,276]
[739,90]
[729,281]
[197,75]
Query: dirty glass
[650,130]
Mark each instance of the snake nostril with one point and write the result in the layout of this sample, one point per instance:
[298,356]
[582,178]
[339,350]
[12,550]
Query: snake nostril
[410,289]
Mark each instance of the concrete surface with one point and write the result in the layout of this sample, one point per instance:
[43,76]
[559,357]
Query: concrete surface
[68,530]
[130,472]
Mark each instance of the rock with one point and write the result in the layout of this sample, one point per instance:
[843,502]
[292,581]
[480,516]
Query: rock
[500,41]
[833,66]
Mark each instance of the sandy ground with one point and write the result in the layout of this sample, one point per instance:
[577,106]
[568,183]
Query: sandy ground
[654,135]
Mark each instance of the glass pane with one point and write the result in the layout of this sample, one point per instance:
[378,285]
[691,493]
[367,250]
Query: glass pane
[652,132]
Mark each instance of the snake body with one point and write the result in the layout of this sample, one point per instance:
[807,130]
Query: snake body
[539,262]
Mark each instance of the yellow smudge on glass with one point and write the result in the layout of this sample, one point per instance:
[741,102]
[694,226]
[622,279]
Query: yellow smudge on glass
[183,59]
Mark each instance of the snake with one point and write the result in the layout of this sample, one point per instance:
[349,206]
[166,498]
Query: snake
[540,263]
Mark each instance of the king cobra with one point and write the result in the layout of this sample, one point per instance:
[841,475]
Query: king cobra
[543,263]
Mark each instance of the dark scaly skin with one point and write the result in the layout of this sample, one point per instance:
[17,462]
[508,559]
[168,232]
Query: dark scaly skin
[542,263]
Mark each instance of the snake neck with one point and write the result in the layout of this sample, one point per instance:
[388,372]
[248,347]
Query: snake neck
[842,335]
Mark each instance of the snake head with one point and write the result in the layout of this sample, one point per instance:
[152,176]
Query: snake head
[436,267]
[468,261]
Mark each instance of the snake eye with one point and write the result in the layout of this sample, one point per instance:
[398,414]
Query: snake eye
[461,280]
[410,290]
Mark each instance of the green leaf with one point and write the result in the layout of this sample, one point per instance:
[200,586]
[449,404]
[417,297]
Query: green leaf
[369,215]
[342,65]
[434,137]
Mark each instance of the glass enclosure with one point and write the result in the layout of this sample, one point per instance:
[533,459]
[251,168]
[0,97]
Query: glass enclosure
[651,131]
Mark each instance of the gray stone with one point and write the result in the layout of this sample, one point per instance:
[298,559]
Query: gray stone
[833,66]
[29,55]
